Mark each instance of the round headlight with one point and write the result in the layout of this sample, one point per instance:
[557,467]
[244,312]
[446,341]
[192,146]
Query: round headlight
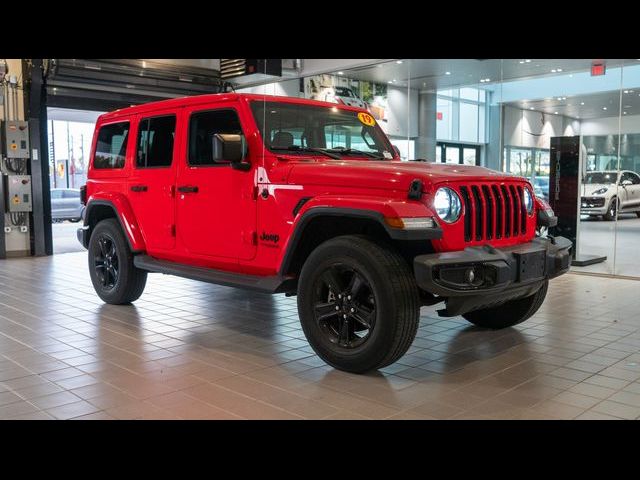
[447,205]
[528,201]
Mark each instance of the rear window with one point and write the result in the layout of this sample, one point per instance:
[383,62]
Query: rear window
[112,146]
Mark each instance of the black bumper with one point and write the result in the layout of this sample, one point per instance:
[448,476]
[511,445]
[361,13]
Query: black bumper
[479,277]
[83,236]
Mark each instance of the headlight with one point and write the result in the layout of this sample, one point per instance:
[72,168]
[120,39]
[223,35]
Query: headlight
[447,204]
[600,191]
[528,201]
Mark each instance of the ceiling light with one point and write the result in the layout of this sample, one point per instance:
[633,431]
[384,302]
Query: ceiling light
[555,113]
[559,69]
[604,108]
[624,113]
[527,61]
[399,62]
[530,108]
[389,81]
[626,91]
[340,73]
[447,73]
[581,103]
[521,61]
[553,70]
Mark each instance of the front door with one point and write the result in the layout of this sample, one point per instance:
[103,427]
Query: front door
[152,181]
[216,205]
[630,194]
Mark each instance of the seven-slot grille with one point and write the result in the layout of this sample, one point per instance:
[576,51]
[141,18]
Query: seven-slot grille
[493,211]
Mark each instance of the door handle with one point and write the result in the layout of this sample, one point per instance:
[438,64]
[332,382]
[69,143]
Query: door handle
[138,188]
[188,189]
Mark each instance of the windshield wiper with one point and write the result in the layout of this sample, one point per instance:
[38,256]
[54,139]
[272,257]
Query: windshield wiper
[347,151]
[298,148]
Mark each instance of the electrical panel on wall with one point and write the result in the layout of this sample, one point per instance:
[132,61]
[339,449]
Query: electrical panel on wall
[15,139]
[18,193]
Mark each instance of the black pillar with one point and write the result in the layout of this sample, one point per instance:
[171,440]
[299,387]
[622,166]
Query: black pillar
[35,102]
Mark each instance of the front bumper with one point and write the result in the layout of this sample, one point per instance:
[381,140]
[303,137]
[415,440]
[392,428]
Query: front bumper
[479,277]
[593,205]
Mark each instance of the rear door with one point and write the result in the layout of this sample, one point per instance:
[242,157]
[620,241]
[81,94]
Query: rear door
[151,185]
[633,191]
[216,205]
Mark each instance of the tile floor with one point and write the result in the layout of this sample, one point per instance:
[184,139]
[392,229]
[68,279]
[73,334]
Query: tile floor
[188,350]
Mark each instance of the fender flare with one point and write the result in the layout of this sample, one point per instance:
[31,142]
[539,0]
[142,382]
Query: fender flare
[313,212]
[124,213]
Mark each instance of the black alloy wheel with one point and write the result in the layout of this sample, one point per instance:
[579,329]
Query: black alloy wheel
[344,306]
[106,261]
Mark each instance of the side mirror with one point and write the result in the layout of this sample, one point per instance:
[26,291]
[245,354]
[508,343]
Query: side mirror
[626,183]
[230,148]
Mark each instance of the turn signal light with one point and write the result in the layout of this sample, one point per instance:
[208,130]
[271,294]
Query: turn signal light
[416,223]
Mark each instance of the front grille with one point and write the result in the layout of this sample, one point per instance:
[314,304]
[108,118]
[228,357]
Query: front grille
[493,211]
[592,202]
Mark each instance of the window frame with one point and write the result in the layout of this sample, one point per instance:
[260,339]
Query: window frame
[126,147]
[175,129]
[188,142]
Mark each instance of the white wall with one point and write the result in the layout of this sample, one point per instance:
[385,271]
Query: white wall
[528,128]
[399,110]
[287,88]
[610,125]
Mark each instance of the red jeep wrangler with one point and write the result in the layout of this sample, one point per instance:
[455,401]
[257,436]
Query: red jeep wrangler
[286,195]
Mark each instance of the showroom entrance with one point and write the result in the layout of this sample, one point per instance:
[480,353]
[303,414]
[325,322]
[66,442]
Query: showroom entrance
[460,153]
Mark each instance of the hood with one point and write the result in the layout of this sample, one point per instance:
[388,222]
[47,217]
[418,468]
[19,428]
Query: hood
[391,175]
[588,189]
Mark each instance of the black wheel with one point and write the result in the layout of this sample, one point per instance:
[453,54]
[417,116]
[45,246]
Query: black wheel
[358,304]
[510,313]
[113,274]
[611,211]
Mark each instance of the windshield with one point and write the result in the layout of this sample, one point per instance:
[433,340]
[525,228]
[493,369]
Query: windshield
[303,129]
[601,177]
[344,92]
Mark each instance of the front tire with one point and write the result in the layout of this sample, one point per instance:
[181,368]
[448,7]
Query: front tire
[612,210]
[358,304]
[115,278]
[510,313]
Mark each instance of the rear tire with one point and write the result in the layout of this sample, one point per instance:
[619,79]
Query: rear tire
[358,303]
[612,209]
[115,278]
[510,313]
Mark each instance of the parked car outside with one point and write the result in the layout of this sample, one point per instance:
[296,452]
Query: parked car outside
[610,192]
[66,205]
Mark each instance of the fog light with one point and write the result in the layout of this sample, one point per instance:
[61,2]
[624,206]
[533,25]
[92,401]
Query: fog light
[470,276]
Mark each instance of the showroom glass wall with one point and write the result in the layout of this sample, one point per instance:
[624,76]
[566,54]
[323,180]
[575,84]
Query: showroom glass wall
[504,114]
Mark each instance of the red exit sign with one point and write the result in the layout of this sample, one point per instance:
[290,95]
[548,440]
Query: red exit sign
[598,69]
[439,115]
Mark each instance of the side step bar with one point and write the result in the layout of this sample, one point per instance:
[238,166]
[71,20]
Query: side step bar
[274,284]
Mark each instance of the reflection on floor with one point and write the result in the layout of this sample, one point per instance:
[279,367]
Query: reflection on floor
[64,237]
[598,237]
[192,350]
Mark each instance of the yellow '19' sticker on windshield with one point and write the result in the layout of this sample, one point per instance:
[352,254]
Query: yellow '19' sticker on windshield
[367,119]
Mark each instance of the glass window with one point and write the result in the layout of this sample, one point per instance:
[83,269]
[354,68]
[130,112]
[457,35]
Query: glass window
[444,121]
[203,126]
[111,146]
[468,122]
[155,142]
[470,156]
[469,94]
[56,194]
[452,155]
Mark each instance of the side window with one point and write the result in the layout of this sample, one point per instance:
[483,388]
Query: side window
[634,178]
[111,146]
[203,126]
[56,194]
[155,141]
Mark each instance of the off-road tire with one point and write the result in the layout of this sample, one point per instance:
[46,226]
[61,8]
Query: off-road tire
[510,313]
[130,281]
[393,289]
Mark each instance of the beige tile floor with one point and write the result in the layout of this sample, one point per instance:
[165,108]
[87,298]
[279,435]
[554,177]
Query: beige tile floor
[188,350]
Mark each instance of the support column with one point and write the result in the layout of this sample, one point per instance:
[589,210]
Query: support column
[493,153]
[36,113]
[426,141]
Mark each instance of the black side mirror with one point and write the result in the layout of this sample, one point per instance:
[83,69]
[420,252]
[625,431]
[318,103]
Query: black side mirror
[230,148]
